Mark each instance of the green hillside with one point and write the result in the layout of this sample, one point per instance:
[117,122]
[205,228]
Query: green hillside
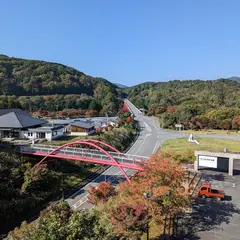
[195,103]
[21,77]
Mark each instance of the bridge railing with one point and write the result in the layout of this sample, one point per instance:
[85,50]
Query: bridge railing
[86,153]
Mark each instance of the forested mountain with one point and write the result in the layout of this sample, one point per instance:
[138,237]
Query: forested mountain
[120,85]
[237,79]
[28,78]
[195,103]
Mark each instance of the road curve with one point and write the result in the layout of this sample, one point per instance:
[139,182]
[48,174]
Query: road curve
[147,143]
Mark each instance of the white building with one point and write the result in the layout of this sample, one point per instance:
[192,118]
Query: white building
[44,132]
[15,123]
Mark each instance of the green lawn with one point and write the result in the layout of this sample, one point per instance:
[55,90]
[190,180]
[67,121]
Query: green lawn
[67,139]
[182,145]
[212,132]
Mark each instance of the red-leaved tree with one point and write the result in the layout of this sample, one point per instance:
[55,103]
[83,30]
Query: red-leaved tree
[129,219]
[101,193]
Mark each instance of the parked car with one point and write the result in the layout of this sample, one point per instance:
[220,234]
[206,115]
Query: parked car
[206,191]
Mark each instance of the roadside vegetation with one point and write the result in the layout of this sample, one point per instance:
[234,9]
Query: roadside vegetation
[26,188]
[120,213]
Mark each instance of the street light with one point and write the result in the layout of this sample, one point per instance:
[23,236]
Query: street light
[148,197]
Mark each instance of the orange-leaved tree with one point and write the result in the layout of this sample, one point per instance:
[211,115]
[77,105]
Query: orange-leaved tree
[101,193]
[154,193]
[236,123]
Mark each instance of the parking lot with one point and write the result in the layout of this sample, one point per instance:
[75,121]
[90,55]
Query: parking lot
[212,219]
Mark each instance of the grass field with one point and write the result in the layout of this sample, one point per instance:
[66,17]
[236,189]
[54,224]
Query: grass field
[212,132]
[182,145]
[65,139]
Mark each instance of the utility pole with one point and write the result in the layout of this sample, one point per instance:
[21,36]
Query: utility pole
[107,118]
[148,197]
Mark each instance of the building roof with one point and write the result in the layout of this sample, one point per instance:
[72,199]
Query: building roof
[60,121]
[16,119]
[4,111]
[83,124]
[45,128]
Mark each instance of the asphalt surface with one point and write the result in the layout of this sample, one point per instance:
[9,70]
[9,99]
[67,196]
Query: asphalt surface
[212,219]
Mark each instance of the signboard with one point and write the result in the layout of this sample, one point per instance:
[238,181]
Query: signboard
[178,125]
[206,161]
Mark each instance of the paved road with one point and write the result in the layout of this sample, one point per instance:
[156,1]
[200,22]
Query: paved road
[148,142]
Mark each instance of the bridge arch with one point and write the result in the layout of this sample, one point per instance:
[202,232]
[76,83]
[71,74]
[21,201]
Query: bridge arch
[93,144]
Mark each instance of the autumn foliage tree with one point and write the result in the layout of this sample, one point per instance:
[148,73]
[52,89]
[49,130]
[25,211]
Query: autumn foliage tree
[129,219]
[101,193]
[236,123]
[161,179]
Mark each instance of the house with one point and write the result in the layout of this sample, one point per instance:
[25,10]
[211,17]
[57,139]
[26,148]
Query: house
[82,128]
[103,122]
[49,132]
[15,123]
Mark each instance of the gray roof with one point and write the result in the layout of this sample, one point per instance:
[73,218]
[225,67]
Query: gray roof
[4,111]
[60,121]
[45,128]
[16,119]
[82,124]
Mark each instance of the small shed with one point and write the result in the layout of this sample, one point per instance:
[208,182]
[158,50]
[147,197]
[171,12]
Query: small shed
[219,161]
[82,128]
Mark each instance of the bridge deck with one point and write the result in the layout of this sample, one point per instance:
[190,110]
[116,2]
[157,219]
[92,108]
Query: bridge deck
[87,155]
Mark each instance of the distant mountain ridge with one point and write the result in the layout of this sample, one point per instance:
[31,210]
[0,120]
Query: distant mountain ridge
[234,78]
[120,85]
[28,77]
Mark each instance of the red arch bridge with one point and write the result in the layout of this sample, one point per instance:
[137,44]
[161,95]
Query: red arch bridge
[88,150]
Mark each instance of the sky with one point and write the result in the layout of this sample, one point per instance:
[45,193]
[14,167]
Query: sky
[127,41]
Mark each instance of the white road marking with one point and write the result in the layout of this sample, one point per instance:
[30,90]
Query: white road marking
[147,135]
[147,127]
[157,145]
